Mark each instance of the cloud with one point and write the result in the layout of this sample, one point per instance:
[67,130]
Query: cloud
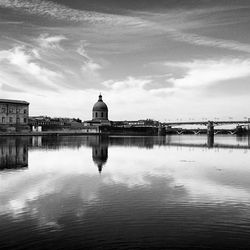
[61,12]
[89,68]
[46,41]
[19,69]
[211,42]
[201,73]
[172,23]
[88,62]
[129,83]
[48,65]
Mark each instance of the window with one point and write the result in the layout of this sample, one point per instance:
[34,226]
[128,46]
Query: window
[17,120]
[102,114]
[3,119]
[3,110]
[95,114]
[18,111]
[10,119]
[25,111]
[24,120]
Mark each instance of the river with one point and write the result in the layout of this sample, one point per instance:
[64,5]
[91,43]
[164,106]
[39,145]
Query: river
[91,192]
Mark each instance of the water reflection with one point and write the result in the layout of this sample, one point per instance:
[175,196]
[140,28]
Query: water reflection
[153,192]
[13,153]
[14,150]
[100,151]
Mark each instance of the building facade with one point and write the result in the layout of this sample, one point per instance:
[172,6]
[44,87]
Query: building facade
[14,115]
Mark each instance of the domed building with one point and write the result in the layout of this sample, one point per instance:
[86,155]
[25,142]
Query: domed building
[99,114]
[100,110]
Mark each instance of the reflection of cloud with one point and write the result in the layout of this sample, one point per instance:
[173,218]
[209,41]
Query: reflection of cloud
[50,188]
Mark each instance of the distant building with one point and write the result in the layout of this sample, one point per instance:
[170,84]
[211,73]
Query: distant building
[13,115]
[45,123]
[138,123]
[99,114]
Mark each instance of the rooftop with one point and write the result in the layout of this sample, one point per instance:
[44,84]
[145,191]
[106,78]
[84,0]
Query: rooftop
[13,101]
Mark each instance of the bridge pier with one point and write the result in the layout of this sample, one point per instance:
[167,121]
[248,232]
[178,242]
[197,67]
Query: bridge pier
[161,130]
[248,126]
[210,141]
[210,134]
[248,132]
[210,128]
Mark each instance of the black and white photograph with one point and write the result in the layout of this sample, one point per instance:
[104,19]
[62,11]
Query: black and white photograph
[124,124]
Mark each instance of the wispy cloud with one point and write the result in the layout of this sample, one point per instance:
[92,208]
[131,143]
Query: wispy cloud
[61,12]
[184,25]
[208,41]
[88,62]
[89,68]
[174,22]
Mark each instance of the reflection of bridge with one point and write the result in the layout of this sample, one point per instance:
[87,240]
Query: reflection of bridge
[99,143]
[206,145]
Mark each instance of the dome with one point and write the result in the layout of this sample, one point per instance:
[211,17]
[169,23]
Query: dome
[100,105]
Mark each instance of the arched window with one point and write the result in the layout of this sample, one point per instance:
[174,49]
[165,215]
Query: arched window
[95,114]
[102,114]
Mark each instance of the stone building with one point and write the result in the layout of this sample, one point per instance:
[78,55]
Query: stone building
[99,114]
[14,115]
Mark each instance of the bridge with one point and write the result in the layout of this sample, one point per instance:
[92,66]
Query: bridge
[205,123]
[167,127]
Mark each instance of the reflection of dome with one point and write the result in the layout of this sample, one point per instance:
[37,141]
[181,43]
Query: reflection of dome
[100,156]
[100,105]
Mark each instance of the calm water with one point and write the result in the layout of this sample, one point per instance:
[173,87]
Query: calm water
[124,192]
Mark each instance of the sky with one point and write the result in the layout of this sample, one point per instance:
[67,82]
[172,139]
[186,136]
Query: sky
[164,60]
